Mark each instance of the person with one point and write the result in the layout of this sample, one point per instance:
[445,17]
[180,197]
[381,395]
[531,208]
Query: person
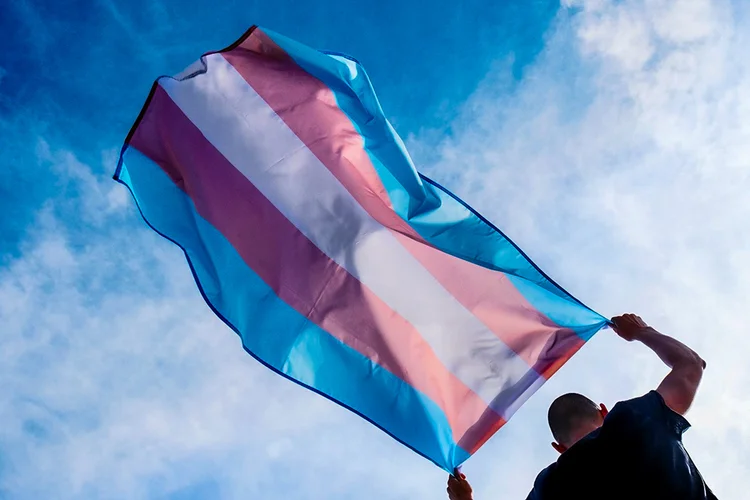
[635,450]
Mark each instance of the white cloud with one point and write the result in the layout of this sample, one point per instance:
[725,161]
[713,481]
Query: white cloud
[622,164]
[686,21]
[619,33]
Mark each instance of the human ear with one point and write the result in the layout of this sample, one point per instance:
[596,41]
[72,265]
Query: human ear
[559,447]
[603,410]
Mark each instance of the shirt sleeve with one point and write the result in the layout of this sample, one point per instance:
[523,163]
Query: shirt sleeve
[651,409]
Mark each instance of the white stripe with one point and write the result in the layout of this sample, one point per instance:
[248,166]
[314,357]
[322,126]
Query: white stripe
[191,70]
[248,133]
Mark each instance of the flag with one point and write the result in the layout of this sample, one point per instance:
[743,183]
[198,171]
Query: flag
[311,234]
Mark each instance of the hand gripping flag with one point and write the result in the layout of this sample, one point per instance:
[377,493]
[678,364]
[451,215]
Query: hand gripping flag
[311,234]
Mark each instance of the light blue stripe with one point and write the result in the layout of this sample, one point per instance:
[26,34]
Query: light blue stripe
[581,320]
[278,335]
[435,214]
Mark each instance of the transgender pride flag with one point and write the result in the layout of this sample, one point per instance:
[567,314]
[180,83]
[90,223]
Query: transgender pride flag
[311,234]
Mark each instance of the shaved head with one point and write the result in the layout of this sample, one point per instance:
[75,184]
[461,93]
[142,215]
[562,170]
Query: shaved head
[571,416]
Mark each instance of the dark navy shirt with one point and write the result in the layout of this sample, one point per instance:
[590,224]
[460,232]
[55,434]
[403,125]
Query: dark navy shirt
[636,454]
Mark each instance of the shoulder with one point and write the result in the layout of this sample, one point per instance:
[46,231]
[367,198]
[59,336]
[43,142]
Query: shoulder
[541,483]
[649,409]
[650,401]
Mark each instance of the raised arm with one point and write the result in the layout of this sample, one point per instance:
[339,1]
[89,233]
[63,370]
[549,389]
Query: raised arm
[679,387]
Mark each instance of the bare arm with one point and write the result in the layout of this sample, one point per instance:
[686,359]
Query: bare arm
[679,387]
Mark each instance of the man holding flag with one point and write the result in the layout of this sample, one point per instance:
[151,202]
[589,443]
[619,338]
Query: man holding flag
[311,234]
[633,451]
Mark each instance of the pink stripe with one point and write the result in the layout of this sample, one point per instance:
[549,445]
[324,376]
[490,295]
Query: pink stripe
[498,304]
[309,108]
[297,270]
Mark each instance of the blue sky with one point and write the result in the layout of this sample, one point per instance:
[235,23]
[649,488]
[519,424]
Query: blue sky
[77,72]
[609,139]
